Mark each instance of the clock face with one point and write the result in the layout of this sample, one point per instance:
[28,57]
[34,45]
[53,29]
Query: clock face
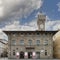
[41,26]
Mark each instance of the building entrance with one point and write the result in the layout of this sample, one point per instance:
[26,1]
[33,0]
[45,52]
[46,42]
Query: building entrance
[21,55]
[38,55]
[29,55]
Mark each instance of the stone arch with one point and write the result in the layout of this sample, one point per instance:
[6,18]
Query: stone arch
[21,55]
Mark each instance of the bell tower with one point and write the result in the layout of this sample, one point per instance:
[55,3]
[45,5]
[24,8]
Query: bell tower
[41,22]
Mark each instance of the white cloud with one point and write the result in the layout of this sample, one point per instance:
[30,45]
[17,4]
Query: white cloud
[57,26]
[49,25]
[53,25]
[1,11]
[47,18]
[15,9]
[17,26]
[58,6]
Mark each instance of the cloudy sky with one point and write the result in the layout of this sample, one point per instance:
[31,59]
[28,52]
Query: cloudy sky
[22,14]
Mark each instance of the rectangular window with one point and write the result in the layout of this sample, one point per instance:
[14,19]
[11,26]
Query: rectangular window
[38,42]
[13,42]
[45,52]
[14,53]
[30,42]
[21,42]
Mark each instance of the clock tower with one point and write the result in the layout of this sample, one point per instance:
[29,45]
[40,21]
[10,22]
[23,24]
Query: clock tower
[41,22]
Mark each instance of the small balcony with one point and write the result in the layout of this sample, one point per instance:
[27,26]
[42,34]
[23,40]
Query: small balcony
[30,47]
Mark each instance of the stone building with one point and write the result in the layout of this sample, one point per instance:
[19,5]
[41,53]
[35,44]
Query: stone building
[3,44]
[31,44]
[56,45]
[3,49]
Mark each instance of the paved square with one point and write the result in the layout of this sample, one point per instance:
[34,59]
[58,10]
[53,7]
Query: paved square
[26,59]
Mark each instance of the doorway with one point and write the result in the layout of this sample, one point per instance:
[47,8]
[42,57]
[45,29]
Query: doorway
[38,55]
[29,55]
[21,55]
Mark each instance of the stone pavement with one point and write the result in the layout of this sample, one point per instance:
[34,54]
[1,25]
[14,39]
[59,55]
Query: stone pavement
[26,59]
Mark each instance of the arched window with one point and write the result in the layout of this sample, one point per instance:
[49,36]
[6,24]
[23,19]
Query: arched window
[37,42]
[21,42]
[46,42]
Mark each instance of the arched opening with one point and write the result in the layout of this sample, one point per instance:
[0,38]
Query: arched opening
[38,55]
[21,55]
[29,55]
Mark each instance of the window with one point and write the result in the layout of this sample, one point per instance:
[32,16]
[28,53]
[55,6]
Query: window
[13,52]
[21,42]
[38,33]
[21,33]
[38,42]
[13,42]
[14,34]
[30,42]
[45,52]
[46,42]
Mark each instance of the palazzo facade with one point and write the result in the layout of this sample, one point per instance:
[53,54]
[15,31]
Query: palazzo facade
[31,44]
